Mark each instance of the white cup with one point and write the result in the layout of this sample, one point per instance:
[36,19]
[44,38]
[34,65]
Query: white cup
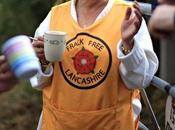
[54,45]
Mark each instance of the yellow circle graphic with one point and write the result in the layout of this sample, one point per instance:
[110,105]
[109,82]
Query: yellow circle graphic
[87,61]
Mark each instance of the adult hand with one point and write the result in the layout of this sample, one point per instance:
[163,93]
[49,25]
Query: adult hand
[39,49]
[162,21]
[7,78]
[131,25]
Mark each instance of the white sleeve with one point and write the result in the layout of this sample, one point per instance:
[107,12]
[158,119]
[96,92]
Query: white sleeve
[41,79]
[44,26]
[139,66]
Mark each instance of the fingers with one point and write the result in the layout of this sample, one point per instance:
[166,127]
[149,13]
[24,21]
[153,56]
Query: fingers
[39,52]
[5,86]
[5,71]
[138,15]
[137,10]
[138,19]
[38,43]
[2,59]
[4,66]
[39,46]
[137,6]
[6,76]
[39,49]
[40,38]
[128,13]
[41,56]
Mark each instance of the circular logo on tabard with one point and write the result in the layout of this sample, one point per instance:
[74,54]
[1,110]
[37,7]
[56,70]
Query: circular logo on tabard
[87,61]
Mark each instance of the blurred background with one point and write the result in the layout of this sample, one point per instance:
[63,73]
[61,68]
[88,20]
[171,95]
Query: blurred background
[20,107]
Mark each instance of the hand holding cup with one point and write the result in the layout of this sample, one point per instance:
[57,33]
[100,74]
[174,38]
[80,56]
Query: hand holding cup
[21,57]
[38,44]
[7,77]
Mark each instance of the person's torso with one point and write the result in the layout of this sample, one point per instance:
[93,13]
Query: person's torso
[87,79]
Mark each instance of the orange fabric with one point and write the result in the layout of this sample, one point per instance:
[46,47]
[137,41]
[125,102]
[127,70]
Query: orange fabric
[87,92]
[137,123]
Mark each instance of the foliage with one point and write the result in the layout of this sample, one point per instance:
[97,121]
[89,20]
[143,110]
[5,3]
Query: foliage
[21,16]
[20,108]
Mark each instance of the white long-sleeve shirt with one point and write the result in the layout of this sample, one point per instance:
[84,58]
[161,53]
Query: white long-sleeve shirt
[136,69]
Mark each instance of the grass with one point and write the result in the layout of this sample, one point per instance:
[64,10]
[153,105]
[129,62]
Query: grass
[157,99]
[20,108]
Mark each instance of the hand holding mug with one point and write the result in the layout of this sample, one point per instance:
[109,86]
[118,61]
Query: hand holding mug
[38,44]
[7,77]
[21,57]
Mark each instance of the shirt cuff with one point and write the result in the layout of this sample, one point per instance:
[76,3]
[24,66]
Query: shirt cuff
[132,59]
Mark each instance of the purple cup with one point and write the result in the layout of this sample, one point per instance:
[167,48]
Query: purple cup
[21,56]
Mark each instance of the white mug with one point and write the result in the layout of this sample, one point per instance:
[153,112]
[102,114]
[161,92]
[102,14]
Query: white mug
[54,45]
